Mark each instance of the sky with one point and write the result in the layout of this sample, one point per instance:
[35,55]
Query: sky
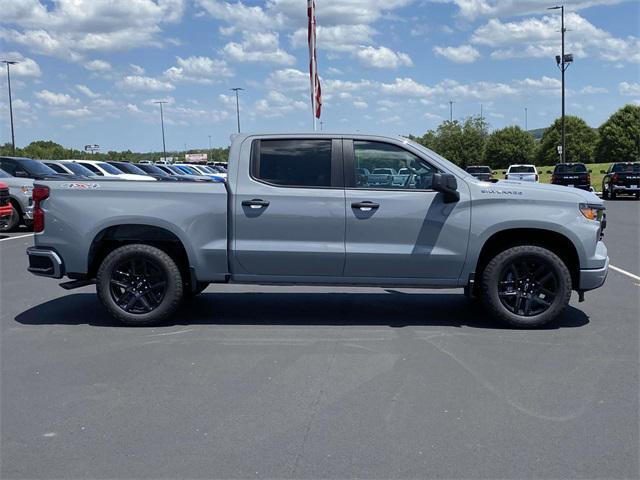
[91,70]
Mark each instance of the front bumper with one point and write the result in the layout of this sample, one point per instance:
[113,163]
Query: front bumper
[593,277]
[45,263]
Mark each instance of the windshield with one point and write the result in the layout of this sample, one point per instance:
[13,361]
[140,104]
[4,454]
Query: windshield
[129,168]
[109,168]
[78,169]
[34,167]
[626,167]
[153,169]
[187,170]
[522,169]
[478,170]
[383,171]
[571,168]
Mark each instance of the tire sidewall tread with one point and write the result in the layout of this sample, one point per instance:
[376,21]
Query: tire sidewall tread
[173,295]
[490,279]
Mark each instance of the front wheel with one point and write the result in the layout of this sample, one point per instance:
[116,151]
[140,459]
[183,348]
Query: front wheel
[139,285]
[526,286]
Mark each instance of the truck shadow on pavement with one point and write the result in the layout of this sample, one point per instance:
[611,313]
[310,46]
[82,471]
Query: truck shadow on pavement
[392,309]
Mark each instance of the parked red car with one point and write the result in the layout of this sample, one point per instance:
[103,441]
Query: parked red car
[5,205]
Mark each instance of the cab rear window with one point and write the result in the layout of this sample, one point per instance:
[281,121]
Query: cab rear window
[522,169]
[571,168]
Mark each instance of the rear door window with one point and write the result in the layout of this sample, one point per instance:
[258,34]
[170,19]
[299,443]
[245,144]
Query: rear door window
[293,163]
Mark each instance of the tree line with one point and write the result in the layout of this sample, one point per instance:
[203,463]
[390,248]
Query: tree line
[470,143]
[464,143]
[48,150]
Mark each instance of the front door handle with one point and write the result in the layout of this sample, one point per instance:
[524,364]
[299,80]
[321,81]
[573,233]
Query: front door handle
[365,206]
[255,203]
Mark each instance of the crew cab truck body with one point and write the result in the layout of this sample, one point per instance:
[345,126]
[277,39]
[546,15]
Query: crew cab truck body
[294,211]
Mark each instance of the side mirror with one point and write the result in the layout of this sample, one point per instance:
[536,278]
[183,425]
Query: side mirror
[21,174]
[448,185]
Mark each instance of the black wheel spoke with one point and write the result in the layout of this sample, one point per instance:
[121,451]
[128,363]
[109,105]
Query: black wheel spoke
[527,286]
[138,285]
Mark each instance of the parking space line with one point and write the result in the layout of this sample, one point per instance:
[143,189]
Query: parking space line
[624,272]
[19,236]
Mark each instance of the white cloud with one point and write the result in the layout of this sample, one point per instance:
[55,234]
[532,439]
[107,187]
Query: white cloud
[136,69]
[276,104]
[144,84]
[361,104]
[629,88]
[461,54]
[339,38]
[288,79]
[590,89]
[472,9]
[26,67]
[73,112]
[383,57]
[55,99]
[538,38]
[198,70]
[97,66]
[87,91]
[69,29]
[258,47]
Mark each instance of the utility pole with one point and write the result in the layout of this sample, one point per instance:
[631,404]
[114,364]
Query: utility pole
[451,102]
[164,146]
[526,127]
[13,136]
[237,89]
[563,61]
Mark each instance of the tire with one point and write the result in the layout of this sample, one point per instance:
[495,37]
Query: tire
[551,278]
[12,224]
[605,192]
[140,276]
[200,287]
[613,195]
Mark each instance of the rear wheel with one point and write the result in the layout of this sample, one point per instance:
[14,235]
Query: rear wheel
[526,286]
[12,224]
[612,194]
[139,285]
[605,191]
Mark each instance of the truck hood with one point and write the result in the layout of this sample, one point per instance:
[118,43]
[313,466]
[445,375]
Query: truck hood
[582,195]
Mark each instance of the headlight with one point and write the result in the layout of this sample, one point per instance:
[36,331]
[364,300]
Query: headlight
[592,212]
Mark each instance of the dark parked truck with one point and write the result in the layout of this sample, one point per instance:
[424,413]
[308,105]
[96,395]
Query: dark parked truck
[571,175]
[621,178]
[295,211]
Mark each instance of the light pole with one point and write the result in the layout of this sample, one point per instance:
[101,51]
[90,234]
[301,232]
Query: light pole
[13,136]
[563,61]
[237,89]
[164,146]
[526,127]
[451,102]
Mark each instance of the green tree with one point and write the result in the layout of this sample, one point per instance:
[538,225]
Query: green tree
[619,136]
[580,142]
[509,145]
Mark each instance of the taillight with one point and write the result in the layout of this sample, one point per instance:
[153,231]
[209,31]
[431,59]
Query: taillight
[39,194]
[615,177]
[536,177]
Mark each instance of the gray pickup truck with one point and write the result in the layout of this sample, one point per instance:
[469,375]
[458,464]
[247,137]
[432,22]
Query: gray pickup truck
[294,211]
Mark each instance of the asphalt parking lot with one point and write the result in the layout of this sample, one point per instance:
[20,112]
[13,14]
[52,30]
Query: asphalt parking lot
[261,382]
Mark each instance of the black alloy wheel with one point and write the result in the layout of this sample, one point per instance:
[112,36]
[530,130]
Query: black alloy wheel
[528,286]
[138,285]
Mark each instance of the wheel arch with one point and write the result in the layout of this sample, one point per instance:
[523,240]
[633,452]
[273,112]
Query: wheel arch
[115,236]
[552,240]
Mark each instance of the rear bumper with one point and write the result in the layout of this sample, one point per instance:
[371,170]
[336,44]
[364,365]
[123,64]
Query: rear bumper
[593,278]
[45,263]
[624,188]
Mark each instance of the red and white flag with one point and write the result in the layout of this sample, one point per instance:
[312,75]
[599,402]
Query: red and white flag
[316,92]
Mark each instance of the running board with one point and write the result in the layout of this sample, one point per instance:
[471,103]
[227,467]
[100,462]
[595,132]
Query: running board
[76,284]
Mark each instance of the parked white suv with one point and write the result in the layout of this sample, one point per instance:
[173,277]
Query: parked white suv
[103,169]
[522,173]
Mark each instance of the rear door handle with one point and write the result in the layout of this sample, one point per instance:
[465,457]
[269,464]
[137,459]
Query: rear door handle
[255,203]
[365,206]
